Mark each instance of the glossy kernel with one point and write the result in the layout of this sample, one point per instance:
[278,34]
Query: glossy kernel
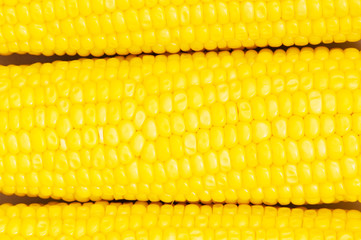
[229,127]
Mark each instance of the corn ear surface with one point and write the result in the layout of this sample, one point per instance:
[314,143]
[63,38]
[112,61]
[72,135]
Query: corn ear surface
[115,221]
[110,27]
[268,127]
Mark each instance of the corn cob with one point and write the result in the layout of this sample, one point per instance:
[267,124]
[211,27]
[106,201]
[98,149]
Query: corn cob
[117,221]
[134,26]
[229,127]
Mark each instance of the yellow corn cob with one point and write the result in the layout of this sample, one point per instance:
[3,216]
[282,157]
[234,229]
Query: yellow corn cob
[135,26]
[117,221]
[229,127]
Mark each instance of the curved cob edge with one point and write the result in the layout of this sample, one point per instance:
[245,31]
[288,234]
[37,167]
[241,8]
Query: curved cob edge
[235,127]
[136,26]
[140,220]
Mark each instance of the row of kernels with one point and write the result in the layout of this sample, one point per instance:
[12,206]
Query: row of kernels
[274,151]
[78,116]
[310,126]
[218,112]
[299,105]
[248,11]
[286,216]
[279,152]
[175,223]
[336,130]
[168,40]
[295,127]
[318,59]
[50,10]
[220,67]
[205,189]
[27,118]
[99,157]
[210,164]
[238,58]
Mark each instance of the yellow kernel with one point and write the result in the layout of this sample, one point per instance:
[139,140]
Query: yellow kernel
[4,122]
[24,142]
[89,137]
[176,146]
[163,125]
[191,120]
[249,178]
[12,143]
[261,131]
[251,155]
[37,138]
[150,129]
[299,104]
[334,146]
[90,114]
[237,156]
[203,140]
[139,118]
[351,144]
[73,140]
[217,138]
[230,135]
[77,116]
[307,151]
[223,92]
[218,114]
[278,151]
[51,116]
[225,161]
[177,123]
[315,102]
[128,108]
[249,88]
[231,112]
[125,131]
[329,102]
[293,151]
[198,165]
[244,133]
[101,114]
[258,107]
[286,106]
[343,124]
[272,107]
[245,113]
[264,153]
[165,103]
[63,126]
[111,136]
[204,118]
[211,163]
[295,127]
[124,153]
[14,120]
[162,147]
[312,126]
[180,101]
[151,105]
[195,95]
[114,112]
[344,100]
[279,127]
[190,143]
[52,140]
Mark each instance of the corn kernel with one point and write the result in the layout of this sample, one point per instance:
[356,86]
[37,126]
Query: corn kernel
[263,127]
